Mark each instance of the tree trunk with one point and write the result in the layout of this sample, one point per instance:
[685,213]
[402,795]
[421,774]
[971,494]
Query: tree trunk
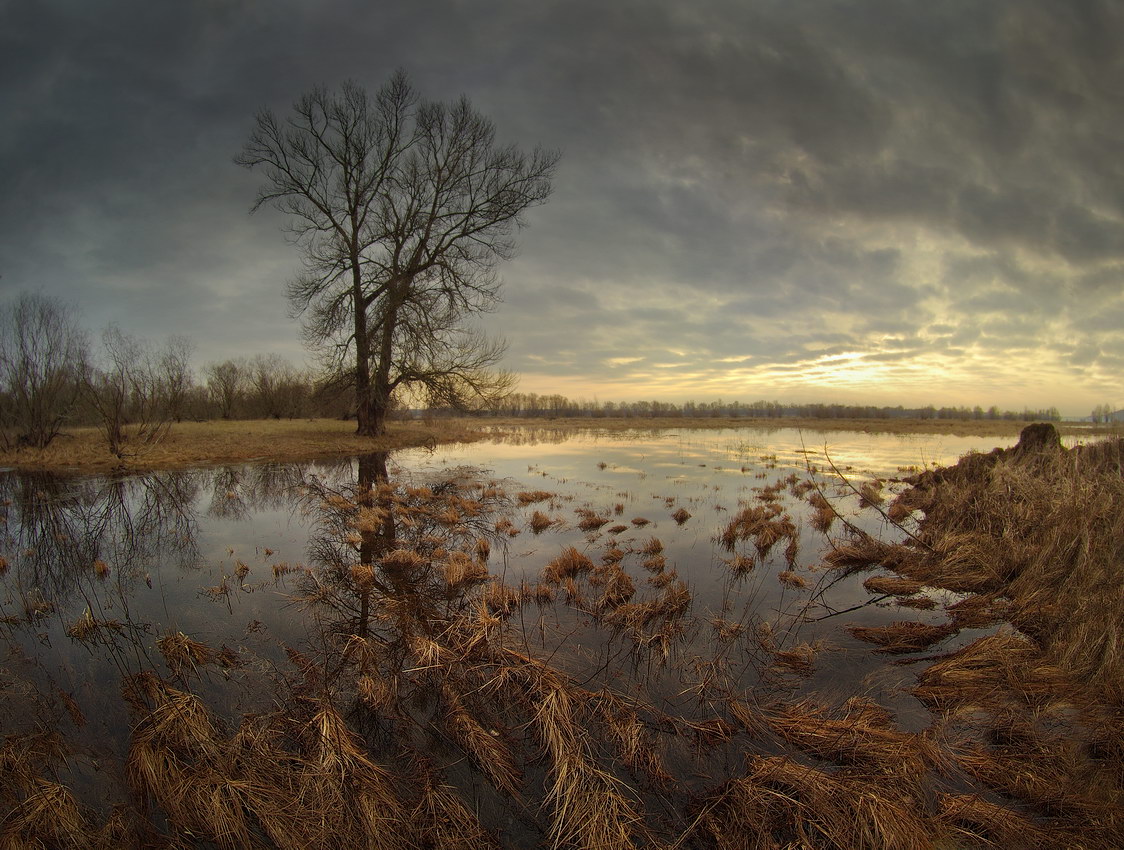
[366,426]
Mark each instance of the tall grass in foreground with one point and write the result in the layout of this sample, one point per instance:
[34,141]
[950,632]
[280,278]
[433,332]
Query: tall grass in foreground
[1032,710]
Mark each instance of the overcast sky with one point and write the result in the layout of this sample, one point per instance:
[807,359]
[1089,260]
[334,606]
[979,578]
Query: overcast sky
[884,201]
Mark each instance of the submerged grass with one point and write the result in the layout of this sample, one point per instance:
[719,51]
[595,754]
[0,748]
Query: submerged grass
[421,648]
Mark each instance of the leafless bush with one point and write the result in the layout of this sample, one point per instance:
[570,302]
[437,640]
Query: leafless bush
[43,353]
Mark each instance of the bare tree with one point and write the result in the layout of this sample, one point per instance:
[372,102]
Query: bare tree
[278,390]
[403,209]
[137,390]
[174,370]
[226,383]
[43,353]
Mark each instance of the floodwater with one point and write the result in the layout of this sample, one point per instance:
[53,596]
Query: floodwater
[98,569]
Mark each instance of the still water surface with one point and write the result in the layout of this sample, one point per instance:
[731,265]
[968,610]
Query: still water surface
[220,554]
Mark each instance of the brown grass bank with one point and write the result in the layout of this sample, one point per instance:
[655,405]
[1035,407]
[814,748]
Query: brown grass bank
[1030,705]
[202,443]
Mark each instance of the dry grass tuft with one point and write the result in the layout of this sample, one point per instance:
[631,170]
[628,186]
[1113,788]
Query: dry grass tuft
[790,579]
[569,564]
[902,636]
[782,804]
[892,585]
[182,653]
[540,522]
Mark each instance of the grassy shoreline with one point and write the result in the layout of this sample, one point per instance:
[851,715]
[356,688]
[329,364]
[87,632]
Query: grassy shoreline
[216,442]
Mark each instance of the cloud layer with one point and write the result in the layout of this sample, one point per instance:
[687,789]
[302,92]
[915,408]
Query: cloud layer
[882,201]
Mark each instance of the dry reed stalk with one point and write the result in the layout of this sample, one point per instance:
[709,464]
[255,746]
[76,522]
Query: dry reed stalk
[531,497]
[540,522]
[640,521]
[902,636]
[652,547]
[101,568]
[681,516]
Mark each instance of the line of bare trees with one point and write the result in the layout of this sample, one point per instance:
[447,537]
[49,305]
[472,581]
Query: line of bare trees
[534,405]
[52,376]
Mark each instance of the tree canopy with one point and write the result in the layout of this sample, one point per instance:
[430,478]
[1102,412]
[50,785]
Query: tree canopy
[403,208]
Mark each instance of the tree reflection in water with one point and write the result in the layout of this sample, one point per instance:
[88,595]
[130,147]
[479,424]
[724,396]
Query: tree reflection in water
[424,699]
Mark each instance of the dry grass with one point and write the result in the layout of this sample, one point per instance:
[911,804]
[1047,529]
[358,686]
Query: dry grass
[201,443]
[902,636]
[780,803]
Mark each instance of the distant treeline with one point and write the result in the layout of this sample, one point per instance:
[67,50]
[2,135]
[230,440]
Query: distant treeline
[536,406]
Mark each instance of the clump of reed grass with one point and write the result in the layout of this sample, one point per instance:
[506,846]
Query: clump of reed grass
[47,815]
[797,659]
[892,585]
[182,653]
[460,569]
[568,564]
[589,807]
[858,733]
[870,494]
[973,821]
[791,579]
[780,803]
[681,515]
[540,522]
[590,520]
[446,822]
[902,636]
[487,747]
[86,626]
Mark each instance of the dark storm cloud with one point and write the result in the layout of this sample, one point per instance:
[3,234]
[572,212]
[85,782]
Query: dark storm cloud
[746,183]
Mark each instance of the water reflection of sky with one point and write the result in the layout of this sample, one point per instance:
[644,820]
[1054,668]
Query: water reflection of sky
[173,544]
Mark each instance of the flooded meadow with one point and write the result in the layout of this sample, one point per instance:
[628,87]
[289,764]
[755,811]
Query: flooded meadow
[573,639]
